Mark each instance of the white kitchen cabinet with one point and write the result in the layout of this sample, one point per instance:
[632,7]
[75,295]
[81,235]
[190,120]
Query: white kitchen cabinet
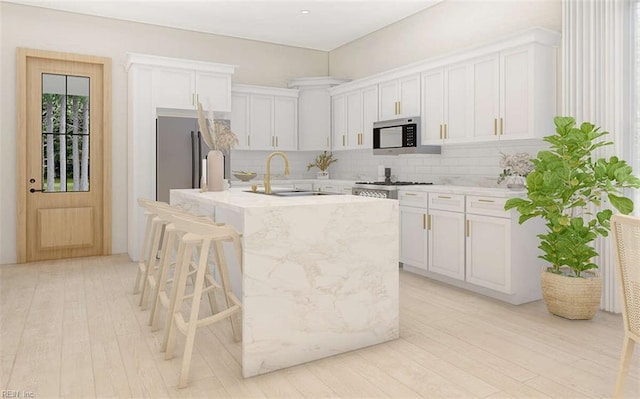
[333,187]
[514,93]
[267,117]
[445,225]
[413,229]
[489,249]
[314,112]
[240,119]
[413,237]
[355,113]
[447,108]
[339,122]
[179,88]
[399,98]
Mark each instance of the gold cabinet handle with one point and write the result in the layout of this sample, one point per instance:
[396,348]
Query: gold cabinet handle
[327,141]
[411,194]
[343,144]
[468,227]
[273,141]
[276,141]
[429,222]
[501,126]
[445,131]
[424,221]
[399,108]
[197,98]
[444,196]
[495,126]
[485,200]
[440,132]
[249,140]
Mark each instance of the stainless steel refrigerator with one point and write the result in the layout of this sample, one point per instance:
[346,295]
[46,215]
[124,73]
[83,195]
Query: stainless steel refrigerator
[180,150]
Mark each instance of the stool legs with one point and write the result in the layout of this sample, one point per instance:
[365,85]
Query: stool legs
[152,261]
[142,260]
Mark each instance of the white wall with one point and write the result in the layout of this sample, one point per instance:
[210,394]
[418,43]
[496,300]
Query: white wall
[446,27]
[23,26]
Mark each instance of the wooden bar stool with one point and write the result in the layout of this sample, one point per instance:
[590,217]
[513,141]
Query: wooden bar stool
[204,236]
[147,243]
[171,252]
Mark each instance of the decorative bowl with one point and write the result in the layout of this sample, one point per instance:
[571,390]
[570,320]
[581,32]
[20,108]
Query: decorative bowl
[244,176]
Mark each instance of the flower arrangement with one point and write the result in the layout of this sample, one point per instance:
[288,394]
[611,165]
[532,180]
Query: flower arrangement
[216,132]
[322,161]
[515,165]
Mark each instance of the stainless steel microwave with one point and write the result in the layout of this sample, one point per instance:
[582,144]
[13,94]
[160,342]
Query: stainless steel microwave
[400,136]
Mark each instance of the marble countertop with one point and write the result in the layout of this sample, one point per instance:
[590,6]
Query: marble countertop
[467,190]
[238,198]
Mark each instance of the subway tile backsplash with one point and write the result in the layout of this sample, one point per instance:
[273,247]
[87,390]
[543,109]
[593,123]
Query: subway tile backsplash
[474,164]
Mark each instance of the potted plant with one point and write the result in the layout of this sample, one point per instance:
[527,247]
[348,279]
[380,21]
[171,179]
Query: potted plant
[322,162]
[567,188]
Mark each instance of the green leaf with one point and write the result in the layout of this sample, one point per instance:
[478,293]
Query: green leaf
[622,204]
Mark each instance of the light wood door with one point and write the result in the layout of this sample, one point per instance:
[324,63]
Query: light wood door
[64,179]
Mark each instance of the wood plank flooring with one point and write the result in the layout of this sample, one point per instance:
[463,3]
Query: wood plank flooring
[73,329]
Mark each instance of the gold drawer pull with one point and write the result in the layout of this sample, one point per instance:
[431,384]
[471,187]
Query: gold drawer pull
[411,194]
[444,196]
[429,222]
[468,227]
[424,221]
[485,200]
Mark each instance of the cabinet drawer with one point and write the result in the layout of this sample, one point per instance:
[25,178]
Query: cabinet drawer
[446,202]
[490,206]
[413,198]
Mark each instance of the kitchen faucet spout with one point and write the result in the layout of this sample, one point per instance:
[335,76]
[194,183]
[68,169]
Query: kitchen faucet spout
[267,176]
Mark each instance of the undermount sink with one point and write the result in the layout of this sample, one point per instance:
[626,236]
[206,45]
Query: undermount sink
[293,193]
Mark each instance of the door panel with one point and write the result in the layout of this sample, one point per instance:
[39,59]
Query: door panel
[64,140]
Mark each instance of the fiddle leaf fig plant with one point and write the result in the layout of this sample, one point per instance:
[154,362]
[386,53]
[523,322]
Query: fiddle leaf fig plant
[567,188]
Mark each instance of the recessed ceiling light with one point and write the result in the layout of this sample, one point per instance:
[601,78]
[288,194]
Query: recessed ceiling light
[305,12]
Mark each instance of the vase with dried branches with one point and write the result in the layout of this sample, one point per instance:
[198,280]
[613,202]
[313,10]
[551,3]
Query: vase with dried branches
[218,136]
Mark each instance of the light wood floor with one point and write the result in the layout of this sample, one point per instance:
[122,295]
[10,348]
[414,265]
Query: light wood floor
[73,329]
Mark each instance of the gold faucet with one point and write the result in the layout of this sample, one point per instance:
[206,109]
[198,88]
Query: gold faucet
[267,177]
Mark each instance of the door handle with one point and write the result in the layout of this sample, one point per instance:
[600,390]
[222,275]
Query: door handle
[33,190]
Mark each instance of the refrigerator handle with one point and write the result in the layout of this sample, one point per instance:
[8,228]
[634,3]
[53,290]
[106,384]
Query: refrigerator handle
[199,141]
[193,160]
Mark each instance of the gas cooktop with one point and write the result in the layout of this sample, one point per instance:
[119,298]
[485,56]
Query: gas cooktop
[392,183]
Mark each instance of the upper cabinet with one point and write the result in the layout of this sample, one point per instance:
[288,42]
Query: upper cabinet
[180,84]
[399,98]
[354,113]
[314,112]
[265,118]
[447,106]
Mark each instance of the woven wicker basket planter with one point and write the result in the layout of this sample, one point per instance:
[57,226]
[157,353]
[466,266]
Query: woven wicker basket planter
[570,297]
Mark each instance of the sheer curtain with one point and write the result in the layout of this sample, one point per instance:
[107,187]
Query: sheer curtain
[597,86]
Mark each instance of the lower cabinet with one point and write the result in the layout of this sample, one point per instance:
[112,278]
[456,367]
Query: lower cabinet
[489,252]
[471,242]
[413,236]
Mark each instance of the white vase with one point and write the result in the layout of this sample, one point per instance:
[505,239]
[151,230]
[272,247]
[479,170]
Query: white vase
[323,174]
[215,171]
[516,182]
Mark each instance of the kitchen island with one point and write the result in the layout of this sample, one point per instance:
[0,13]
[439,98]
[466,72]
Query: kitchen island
[320,273]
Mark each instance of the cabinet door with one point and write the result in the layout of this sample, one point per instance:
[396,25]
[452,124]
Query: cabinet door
[314,120]
[486,85]
[409,96]
[214,91]
[369,115]
[432,107]
[261,122]
[516,101]
[489,252]
[354,119]
[174,88]
[240,119]
[413,237]
[388,99]
[286,123]
[339,122]
[446,243]
[458,104]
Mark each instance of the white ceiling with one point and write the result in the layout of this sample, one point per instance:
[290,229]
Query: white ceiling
[329,24]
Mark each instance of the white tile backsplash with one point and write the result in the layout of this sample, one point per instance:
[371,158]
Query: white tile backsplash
[474,164]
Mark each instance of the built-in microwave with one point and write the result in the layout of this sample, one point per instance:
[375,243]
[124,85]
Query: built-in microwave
[400,136]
